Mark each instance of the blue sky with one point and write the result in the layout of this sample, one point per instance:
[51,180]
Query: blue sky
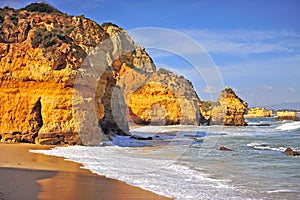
[254,44]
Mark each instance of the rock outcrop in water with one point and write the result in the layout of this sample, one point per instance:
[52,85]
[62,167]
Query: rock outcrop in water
[259,112]
[291,152]
[66,79]
[287,115]
[229,110]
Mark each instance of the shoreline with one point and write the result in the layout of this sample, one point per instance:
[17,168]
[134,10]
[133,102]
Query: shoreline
[25,175]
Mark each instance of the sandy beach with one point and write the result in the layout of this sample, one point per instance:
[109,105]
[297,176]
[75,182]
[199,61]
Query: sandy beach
[26,175]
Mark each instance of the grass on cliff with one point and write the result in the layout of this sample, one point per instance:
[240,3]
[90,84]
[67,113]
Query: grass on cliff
[45,38]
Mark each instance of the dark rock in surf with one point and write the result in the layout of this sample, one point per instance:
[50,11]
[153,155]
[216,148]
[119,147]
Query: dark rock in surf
[136,137]
[291,152]
[225,149]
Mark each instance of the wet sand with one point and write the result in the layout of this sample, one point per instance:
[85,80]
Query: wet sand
[25,175]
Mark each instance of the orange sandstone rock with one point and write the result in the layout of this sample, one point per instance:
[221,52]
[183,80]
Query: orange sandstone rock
[229,110]
[165,99]
[49,93]
[259,112]
[287,115]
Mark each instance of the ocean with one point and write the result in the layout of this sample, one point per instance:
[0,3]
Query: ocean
[184,162]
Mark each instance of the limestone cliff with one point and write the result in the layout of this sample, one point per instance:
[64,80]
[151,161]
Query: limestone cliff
[65,80]
[41,57]
[165,99]
[259,112]
[156,97]
[229,110]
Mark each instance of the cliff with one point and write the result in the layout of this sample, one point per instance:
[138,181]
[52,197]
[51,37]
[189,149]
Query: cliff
[67,80]
[287,115]
[165,99]
[259,112]
[229,110]
[157,97]
[47,84]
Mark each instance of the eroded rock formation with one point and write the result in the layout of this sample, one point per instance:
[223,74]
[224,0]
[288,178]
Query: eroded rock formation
[229,110]
[165,99]
[48,79]
[287,115]
[63,80]
[259,112]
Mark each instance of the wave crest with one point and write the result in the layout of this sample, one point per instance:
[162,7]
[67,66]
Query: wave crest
[289,126]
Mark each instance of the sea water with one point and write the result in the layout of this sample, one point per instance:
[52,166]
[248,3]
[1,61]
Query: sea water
[185,162]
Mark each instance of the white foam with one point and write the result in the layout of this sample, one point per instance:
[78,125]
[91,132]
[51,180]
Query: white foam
[289,126]
[282,191]
[160,174]
[263,146]
[167,129]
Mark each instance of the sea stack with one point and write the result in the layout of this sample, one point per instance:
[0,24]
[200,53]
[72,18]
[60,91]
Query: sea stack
[287,115]
[229,110]
[258,112]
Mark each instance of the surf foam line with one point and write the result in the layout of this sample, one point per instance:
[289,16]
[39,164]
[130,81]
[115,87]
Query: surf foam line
[289,126]
[128,165]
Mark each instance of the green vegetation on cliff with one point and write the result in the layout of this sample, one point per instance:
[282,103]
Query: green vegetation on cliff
[42,8]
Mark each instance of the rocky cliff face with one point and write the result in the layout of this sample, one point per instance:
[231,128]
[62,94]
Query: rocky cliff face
[165,99]
[42,100]
[152,97]
[66,80]
[229,110]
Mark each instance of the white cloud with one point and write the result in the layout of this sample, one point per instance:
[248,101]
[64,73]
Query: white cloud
[291,89]
[246,42]
[267,87]
[282,69]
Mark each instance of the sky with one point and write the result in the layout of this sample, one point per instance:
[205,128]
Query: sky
[254,45]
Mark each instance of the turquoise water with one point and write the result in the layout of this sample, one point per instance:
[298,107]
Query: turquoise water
[184,161]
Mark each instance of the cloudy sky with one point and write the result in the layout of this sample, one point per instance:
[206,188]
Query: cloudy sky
[254,45]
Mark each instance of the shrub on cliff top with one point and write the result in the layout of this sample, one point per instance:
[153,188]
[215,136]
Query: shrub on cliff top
[41,7]
[109,24]
[44,38]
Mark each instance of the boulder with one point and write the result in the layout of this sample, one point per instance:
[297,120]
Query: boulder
[291,152]
[225,149]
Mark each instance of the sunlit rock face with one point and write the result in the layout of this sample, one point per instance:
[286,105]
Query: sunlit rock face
[287,115]
[47,79]
[165,99]
[259,112]
[229,110]
[67,80]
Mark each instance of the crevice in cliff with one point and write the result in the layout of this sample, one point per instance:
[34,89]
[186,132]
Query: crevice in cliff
[36,120]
